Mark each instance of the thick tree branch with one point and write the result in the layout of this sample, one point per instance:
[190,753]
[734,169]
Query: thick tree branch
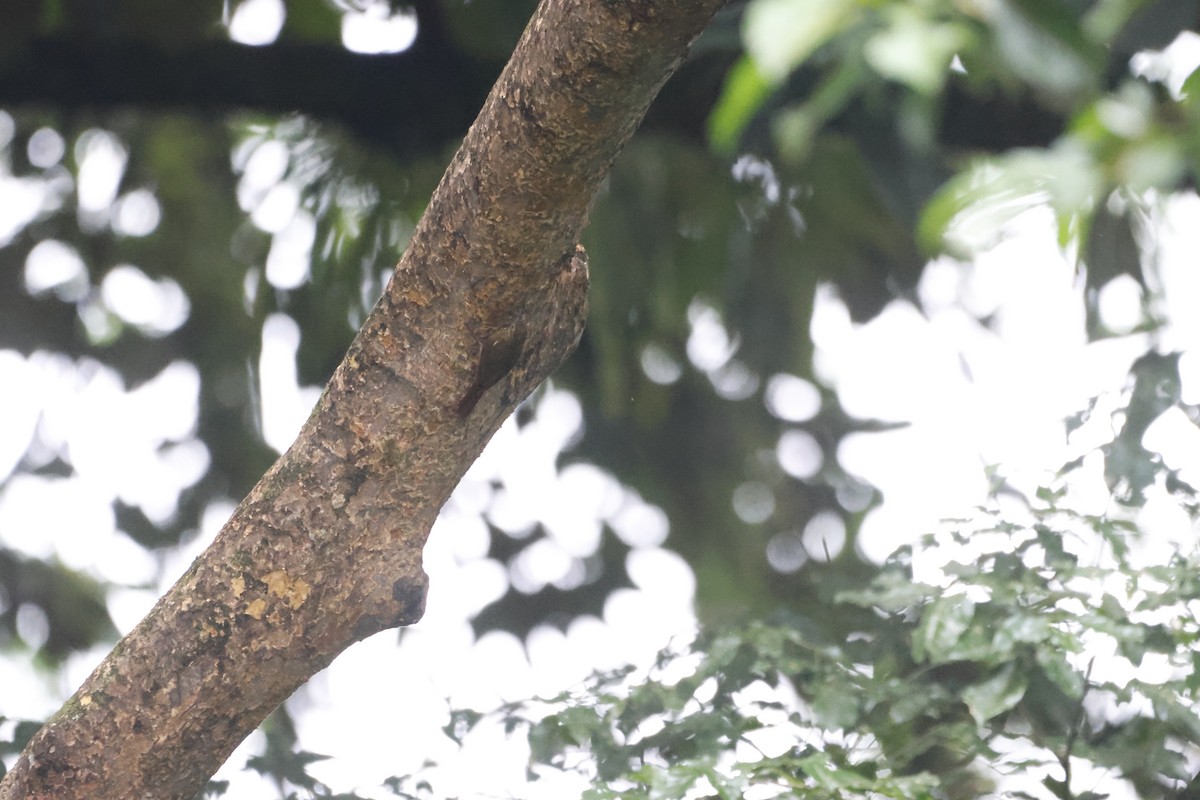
[326,549]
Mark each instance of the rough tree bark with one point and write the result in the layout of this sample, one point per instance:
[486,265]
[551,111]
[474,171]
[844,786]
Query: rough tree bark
[487,300]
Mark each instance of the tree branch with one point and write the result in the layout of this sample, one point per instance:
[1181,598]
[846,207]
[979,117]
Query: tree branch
[326,549]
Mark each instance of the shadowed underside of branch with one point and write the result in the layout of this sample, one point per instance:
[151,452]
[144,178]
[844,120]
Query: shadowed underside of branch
[488,299]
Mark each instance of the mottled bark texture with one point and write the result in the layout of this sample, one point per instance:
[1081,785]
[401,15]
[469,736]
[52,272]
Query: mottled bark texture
[488,299]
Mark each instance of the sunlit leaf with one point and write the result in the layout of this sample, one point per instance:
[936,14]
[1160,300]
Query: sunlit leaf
[970,212]
[915,50]
[781,34]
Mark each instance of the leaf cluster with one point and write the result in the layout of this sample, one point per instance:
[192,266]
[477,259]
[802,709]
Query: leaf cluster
[1036,656]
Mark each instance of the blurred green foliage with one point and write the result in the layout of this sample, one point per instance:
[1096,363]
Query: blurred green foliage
[981,678]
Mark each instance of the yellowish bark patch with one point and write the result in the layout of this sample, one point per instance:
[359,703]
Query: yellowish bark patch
[293,591]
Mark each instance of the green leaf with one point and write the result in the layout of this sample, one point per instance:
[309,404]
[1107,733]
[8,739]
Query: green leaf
[1055,19]
[781,34]
[915,50]
[673,782]
[907,705]
[995,695]
[728,788]
[743,95]
[836,706]
[1043,42]
[1020,628]
[1052,541]
[829,777]
[460,724]
[970,211]
[1062,675]
[795,128]
[1135,25]
[942,626]
[1058,788]
[1181,717]
[1191,86]
[892,591]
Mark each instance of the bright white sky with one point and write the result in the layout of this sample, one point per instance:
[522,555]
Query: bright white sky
[974,397]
